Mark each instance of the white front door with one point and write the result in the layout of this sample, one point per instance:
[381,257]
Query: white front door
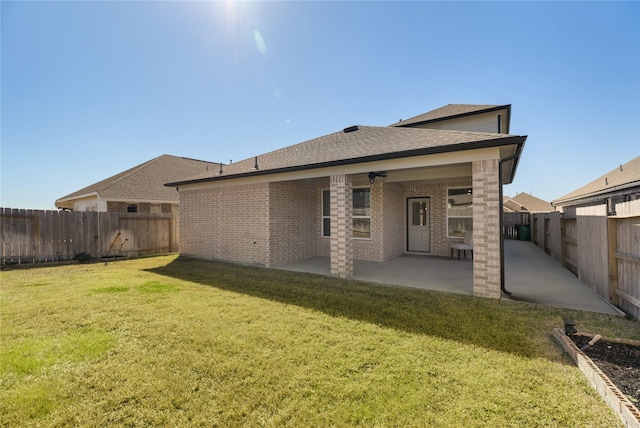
[418,224]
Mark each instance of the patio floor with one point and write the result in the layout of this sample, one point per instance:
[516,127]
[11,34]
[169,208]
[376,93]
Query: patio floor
[530,275]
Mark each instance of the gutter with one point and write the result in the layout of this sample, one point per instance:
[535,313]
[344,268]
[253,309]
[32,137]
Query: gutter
[514,157]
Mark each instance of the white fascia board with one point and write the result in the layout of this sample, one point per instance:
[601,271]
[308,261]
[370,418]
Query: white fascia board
[429,173]
[69,203]
[432,160]
[75,198]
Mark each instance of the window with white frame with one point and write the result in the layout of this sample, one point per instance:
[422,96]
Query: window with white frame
[361,213]
[459,211]
[326,213]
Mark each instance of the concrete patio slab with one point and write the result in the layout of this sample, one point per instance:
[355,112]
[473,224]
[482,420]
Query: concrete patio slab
[530,275]
[534,277]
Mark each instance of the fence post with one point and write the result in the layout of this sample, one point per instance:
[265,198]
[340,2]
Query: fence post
[612,234]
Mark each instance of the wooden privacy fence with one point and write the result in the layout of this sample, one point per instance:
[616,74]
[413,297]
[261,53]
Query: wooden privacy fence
[543,226]
[602,251]
[33,236]
[511,221]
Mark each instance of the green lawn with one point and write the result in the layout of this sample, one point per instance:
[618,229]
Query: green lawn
[178,342]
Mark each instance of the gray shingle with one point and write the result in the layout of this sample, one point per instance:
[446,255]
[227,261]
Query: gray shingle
[532,204]
[146,181]
[361,145]
[626,174]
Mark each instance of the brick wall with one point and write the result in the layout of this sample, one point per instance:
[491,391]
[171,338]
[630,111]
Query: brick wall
[294,221]
[394,224]
[229,223]
[120,207]
[486,229]
[437,194]
[277,223]
[143,207]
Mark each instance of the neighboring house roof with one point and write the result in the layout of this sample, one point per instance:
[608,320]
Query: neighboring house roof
[510,206]
[144,182]
[625,177]
[450,111]
[360,144]
[527,202]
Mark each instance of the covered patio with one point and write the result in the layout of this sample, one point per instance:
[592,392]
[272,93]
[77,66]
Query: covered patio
[530,275]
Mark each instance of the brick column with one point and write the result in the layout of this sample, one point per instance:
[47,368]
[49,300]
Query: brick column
[486,229]
[341,226]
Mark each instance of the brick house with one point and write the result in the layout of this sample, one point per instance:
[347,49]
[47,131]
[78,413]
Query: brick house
[370,193]
[138,189]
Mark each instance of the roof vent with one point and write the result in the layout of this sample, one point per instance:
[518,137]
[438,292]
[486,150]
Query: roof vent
[350,129]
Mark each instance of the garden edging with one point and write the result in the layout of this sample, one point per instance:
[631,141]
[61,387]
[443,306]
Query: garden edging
[626,411]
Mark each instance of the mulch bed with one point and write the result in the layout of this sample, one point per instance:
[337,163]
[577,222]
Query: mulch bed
[619,361]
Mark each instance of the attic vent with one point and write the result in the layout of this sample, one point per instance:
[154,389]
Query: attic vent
[350,129]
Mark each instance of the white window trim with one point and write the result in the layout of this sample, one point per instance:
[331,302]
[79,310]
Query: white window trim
[322,216]
[353,217]
[456,216]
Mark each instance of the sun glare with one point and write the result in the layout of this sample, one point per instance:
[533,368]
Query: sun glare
[259,42]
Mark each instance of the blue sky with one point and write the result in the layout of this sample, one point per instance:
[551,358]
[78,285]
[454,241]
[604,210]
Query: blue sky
[90,89]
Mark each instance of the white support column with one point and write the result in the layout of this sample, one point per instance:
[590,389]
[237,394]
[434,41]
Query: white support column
[341,226]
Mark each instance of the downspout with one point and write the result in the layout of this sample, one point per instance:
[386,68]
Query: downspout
[502,286]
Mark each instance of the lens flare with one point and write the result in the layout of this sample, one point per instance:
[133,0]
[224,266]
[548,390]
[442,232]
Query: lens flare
[259,42]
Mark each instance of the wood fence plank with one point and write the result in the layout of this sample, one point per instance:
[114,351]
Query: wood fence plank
[43,236]
[612,231]
[628,262]
[593,249]
[30,230]
[570,244]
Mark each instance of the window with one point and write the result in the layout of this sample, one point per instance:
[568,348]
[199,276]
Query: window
[326,213]
[361,213]
[459,211]
[132,208]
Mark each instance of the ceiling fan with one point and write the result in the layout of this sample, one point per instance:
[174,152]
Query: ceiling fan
[373,175]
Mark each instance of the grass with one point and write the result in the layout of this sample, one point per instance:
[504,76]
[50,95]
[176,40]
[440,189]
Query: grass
[182,342]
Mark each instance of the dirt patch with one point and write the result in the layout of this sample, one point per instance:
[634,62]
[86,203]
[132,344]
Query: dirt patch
[619,361]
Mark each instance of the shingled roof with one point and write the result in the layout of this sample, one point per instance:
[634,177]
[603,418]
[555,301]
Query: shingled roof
[528,203]
[450,111]
[356,145]
[145,181]
[625,176]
